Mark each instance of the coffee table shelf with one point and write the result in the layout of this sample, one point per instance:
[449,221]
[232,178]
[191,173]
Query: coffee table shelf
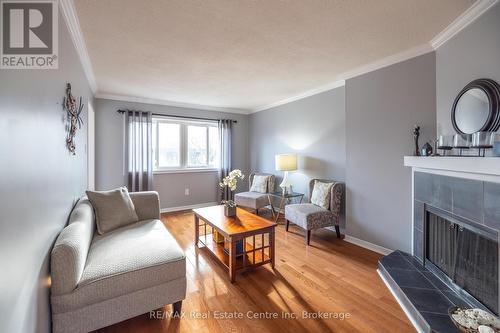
[217,249]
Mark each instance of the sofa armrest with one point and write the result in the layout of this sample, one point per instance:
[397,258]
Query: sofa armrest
[69,254]
[147,204]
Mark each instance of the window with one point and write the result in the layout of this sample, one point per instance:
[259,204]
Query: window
[184,145]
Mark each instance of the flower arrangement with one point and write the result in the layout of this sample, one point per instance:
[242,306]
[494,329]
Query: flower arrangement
[231,181]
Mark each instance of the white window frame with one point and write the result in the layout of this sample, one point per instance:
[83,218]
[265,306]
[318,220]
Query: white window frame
[183,145]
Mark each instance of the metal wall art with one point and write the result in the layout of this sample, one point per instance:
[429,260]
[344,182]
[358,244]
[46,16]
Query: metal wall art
[74,117]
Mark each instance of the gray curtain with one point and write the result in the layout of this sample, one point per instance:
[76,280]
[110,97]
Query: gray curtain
[225,134]
[139,150]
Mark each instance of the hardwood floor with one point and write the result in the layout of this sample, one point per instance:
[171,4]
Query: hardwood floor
[330,276]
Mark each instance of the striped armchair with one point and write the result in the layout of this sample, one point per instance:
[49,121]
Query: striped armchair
[309,216]
[255,200]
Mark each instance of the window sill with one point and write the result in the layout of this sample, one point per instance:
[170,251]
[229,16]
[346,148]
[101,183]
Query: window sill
[190,170]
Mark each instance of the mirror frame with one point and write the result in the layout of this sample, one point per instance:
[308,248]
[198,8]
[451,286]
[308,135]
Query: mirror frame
[492,90]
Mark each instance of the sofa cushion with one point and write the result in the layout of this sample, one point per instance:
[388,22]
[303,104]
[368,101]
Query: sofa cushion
[259,184]
[321,194]
[113,209]
[253,200]
[309,216]
[125,260]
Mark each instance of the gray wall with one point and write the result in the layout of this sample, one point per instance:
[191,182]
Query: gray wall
[381,109]
[110,147]
[472,54]
[313,127]
[39,184]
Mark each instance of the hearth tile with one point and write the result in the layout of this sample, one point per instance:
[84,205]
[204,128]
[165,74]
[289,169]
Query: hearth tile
[468,199]
[416,263]
[491,206]
[457,300]
[418,214]
[397,261]
[440,322]
[417,243]
[406,278]
[422,185]
[430,300]
[436,281]
[433,189]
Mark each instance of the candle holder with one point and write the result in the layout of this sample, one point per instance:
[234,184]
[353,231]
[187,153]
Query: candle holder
[445,143]
[483,141]
[461,142]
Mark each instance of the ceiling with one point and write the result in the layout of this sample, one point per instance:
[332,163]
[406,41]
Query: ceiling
[246,54]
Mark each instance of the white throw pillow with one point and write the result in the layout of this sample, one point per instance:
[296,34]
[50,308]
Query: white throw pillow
[259,184]
[321,194]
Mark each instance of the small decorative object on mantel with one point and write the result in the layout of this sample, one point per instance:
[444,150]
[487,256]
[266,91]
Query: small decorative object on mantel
[445,143]
[416,134]
[461,142]
[496,145]
[474,320]
[231,181]
[483,141]
[426,149]
[435,152]
[74,112]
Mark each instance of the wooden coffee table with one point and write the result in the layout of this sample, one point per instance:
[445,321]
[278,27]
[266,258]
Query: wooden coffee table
[254,234]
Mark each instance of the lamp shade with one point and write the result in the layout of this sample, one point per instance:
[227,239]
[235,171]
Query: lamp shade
[286,162]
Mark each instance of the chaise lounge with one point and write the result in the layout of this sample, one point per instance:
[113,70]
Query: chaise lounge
[102,279]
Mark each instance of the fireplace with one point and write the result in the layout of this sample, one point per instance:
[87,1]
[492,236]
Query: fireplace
[463,255]
[455,242]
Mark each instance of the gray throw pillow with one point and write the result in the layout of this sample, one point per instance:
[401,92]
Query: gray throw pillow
[113,209]
[321,194]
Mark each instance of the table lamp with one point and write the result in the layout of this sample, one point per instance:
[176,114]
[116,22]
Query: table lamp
[286,162]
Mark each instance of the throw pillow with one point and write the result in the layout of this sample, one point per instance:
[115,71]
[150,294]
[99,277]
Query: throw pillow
[113,209]
[259,184]
[321,194]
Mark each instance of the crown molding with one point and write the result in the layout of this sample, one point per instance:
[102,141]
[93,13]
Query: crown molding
[373,66]
[467,17]
[71,18]
[388,61]
[330,86]
[146,100]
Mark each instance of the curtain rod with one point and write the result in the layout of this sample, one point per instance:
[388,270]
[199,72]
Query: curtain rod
[175,116]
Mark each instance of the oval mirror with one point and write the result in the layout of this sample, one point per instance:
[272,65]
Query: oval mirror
[476,107]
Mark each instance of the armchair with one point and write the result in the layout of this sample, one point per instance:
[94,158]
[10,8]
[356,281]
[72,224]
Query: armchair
[255,200]
[310,216]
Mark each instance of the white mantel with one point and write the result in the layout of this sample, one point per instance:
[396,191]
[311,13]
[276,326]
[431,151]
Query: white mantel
[480,168]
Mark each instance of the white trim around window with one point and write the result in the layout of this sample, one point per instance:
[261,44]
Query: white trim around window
[176,151]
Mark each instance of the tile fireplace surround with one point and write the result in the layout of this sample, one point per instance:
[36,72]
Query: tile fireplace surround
[465,193]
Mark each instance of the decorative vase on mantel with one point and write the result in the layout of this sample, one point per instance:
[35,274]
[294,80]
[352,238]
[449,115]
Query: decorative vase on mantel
[229,211]
[231,182]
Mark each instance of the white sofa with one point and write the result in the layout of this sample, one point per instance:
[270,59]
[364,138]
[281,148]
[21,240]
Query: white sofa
[99,280]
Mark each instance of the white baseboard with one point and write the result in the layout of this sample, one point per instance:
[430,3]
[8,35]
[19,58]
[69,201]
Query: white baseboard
[401,304]
[367,245]
[176,209]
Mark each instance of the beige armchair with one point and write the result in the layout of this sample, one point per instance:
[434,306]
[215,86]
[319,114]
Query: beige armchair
[255,200]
